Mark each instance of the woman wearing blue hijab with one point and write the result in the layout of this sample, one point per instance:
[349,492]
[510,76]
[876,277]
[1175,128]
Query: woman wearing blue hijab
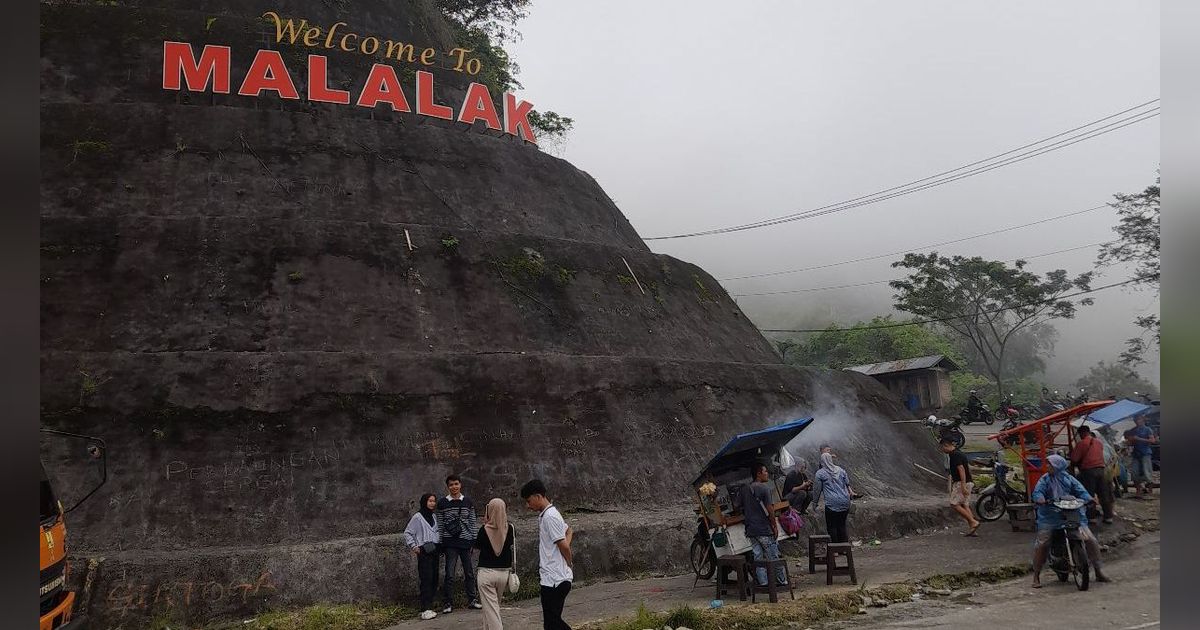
[1055,485]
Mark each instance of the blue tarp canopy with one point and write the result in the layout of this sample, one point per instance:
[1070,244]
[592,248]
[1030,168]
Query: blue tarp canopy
[747,448]
[1117,412]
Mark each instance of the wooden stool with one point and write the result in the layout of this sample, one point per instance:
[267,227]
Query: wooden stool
[738,564]
[831,569]
[813,558]
[771,589]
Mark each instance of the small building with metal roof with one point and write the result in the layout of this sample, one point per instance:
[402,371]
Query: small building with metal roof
[921,383]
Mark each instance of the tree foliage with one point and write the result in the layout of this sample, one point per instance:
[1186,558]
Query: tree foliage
[482,26]
[837,347]
[495,18]
[1115,379]
[1138,242]
[986,302]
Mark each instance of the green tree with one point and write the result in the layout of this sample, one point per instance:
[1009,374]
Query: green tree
[867,342]
[1138,242]
[1026,353]
[1115,379]
[495,18]
[986,302]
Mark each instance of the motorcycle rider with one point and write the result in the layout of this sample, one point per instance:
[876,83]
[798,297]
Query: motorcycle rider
[1051,487]
[974,406]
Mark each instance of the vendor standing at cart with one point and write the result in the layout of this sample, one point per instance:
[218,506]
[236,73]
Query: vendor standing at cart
[762,530]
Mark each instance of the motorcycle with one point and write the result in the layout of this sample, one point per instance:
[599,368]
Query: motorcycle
[1008,412]
[1068,556]
[946,427]
[979,413]
[993,500]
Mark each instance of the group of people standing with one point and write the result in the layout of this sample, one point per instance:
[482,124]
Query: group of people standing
[830,485]
[445,531]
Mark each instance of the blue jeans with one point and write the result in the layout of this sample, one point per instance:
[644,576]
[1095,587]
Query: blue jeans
[1142,468]
[767,548]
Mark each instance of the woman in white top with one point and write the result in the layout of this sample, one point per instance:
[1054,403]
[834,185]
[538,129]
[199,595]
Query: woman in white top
[421,536]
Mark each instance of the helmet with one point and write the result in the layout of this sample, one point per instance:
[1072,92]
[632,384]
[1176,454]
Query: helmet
[972,391]
[932,418]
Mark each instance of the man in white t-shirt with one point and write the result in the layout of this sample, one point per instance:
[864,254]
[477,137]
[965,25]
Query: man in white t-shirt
[554,554]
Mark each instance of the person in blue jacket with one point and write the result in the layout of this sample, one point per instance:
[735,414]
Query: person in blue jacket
[1055,485]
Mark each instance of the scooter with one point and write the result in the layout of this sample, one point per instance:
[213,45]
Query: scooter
[946,427]
[993,500]
[1068,555]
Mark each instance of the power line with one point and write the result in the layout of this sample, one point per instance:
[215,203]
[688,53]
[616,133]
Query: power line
[946,319]
[865,284]
[916,249]
[908,188]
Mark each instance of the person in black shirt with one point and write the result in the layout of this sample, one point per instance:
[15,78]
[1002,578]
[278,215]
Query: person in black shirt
[495,542]
[797,486]
[960,484]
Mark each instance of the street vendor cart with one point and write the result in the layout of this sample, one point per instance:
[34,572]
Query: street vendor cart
[1033,443]
[720,531]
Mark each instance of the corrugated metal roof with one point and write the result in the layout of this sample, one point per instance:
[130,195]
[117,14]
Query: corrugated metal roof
[904,365]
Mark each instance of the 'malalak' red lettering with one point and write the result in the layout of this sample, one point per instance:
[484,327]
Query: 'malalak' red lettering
[213,65]
[268,72]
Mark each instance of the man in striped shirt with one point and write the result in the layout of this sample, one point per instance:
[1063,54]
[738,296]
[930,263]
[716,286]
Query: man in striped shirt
[457,528]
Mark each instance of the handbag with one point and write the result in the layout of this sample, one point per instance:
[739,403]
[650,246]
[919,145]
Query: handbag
[791,521]
[429,548]
[514,582]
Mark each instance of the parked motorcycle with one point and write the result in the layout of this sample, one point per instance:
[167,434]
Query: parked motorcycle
[1068,555]
[993,500]
[946,427]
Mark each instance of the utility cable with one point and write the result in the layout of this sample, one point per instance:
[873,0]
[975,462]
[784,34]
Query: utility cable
[865,284]
[946,319]
[916,249]
[908,188]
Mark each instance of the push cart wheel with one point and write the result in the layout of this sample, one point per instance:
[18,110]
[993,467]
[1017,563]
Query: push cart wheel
[704,564]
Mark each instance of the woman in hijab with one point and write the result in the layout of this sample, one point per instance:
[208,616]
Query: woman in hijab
[833,485]
[1052,486]
[421,536]
[495,542]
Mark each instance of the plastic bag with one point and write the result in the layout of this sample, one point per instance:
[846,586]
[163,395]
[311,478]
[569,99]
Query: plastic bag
[785,459]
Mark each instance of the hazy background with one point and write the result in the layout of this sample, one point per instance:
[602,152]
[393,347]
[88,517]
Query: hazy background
[703,114]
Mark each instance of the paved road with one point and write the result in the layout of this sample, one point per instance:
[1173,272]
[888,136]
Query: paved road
[1130,602]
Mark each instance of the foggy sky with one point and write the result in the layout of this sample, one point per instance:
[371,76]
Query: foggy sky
[701,114]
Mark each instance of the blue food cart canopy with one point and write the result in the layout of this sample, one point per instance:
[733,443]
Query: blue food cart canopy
[745,448]
[1117,412]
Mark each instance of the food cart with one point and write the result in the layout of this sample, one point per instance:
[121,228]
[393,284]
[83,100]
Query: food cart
[720,531]
[1035,441]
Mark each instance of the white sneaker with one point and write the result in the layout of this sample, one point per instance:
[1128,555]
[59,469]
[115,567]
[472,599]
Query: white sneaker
[427,615]
[476,605]
[447,610]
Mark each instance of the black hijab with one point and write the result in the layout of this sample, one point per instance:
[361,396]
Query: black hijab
[425,511]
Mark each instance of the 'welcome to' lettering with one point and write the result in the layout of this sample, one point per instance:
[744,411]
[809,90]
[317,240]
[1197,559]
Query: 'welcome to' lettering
[269,73]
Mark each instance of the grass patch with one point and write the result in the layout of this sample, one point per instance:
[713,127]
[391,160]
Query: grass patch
[956,581]
[325,617]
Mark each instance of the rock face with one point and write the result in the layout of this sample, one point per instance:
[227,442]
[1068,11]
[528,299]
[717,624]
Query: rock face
[230,300]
